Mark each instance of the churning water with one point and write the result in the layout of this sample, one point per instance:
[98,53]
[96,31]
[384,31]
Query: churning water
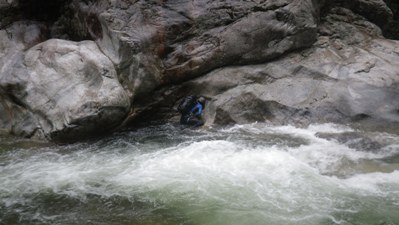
[246,175]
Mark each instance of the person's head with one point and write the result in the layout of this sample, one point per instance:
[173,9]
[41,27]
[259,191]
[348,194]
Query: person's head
[201,100]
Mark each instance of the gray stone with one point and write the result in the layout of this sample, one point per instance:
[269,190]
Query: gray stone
[353,140]
[68,89]
[153,43]
[281,62]
[350,73]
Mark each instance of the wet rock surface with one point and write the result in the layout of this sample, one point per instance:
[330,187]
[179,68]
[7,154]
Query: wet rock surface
[353,140]
[349,74]
[62,89]
[123,62]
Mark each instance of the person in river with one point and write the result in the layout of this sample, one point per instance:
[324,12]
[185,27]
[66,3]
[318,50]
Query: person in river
[191,109]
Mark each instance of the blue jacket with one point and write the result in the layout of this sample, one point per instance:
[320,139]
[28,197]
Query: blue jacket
[197,109]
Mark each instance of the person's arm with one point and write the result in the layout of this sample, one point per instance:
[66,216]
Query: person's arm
[197,110]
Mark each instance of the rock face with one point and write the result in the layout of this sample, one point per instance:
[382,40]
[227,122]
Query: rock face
[61,89]
[153,43]
[280,61]
[350,73]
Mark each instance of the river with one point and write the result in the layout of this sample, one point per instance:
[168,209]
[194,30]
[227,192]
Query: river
[242,175]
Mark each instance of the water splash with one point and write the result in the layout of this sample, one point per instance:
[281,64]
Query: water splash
[246,174]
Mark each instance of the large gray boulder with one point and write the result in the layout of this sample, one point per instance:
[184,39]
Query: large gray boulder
[350,73]
[154,43]
[59,89]
[280,61]
[14,117]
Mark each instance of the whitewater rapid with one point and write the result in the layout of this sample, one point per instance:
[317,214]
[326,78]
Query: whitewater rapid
[246,174]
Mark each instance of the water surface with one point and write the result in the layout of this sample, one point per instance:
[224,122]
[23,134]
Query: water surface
[246,174]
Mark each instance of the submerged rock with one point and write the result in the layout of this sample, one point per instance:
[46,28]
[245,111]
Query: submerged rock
[353,140]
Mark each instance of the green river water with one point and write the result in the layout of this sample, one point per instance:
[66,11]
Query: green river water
[242,175]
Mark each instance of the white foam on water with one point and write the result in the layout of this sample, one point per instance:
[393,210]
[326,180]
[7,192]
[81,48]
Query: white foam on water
[218,178]
[375,183]
[230,176]
[289,129]
[325,155]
